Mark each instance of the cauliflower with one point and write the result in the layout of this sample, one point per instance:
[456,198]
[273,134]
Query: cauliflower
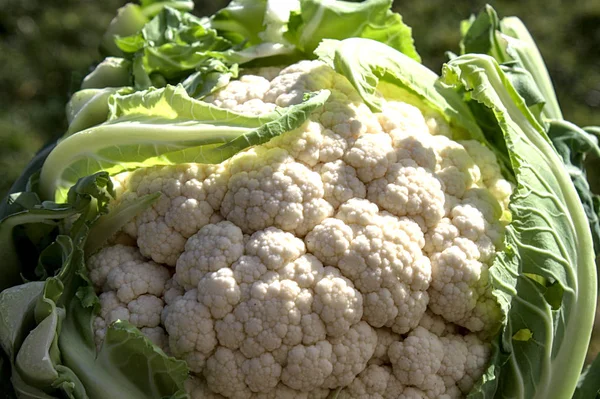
[352,253]
[281,201]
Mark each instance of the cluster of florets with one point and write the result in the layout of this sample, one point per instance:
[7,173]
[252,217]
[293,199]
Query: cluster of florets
[352,252]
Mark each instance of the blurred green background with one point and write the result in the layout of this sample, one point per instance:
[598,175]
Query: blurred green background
[48,46]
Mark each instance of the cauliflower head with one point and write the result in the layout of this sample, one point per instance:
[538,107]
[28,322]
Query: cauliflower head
[351,253]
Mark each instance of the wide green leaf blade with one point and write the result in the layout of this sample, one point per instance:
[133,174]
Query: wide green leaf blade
[370,19]
[545,279]
[522,47]
[126,145]
[16,314]
[163,127]
[574,145]
[173,103]
[288,119]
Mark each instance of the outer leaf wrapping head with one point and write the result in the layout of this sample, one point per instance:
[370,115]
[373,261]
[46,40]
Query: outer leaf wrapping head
[545,280]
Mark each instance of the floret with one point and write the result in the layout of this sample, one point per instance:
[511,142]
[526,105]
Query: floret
[308,366]
[143,312]
[191,330]
[409,190]
[350,354]
[197,388]
[340,183]
[244,96]
[371,156]
[385,337]
[213,247]
[417,359]
[224,374]
[336,302]
[272,189]
[382,255]
[135,278]
[108,258]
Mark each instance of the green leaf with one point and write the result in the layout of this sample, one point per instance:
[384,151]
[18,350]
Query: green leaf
[131,18]
[163,127]
[370,19]
[522,47]
[524,84]
[209,78]
[264,54]
[152,7]
[574,145]
[482,36]
[87,197]
[588,386]
[127,365]
[172,45]
[25,391]
[87,108]
[276,20]
[257,28]
[548,237]
[111,72]
[16,314]
[241,21]
[36,359]
[176,47]
[508,40]
[11,268]
[173,104]
[37,368]
[46,327]
[69,383]
[128,21]
[7,390]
